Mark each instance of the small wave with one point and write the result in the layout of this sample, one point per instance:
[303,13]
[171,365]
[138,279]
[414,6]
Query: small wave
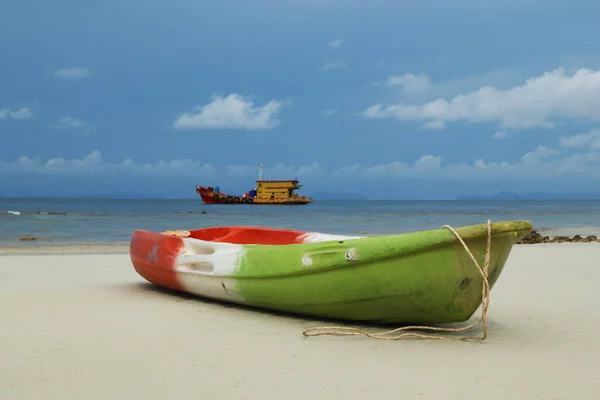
[12,212]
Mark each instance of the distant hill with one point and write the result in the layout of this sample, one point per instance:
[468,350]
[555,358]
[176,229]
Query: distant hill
[534,196]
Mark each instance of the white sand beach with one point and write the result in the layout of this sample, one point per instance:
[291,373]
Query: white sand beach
[86,326]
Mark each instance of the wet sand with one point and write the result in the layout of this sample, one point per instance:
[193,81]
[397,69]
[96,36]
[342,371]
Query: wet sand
[86,326]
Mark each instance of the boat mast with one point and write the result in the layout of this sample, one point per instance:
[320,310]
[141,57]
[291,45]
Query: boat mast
[260,168]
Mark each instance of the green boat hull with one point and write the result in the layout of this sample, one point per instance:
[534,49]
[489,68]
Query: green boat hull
[424,277]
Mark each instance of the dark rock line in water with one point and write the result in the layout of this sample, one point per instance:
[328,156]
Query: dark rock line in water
[10,212]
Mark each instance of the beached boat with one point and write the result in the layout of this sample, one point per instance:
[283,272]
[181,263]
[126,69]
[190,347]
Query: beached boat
[419,277]
[266,192]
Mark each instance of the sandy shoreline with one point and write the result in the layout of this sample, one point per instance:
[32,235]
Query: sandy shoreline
[86,326]
[53,250]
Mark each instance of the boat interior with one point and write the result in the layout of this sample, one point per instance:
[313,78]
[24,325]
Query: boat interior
[248,235]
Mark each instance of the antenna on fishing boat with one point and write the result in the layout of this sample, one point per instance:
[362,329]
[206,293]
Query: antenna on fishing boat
[260,168]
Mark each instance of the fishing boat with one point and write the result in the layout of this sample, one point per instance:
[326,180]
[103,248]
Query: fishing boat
[281,192]
[418,277]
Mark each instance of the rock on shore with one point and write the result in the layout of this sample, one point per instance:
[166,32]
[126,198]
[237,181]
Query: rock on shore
[534,237]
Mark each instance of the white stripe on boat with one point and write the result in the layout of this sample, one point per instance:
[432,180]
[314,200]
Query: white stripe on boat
[205,268]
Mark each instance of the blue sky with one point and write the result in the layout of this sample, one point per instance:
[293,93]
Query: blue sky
[411,99]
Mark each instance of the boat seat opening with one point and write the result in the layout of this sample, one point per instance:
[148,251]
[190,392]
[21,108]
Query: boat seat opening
[204,267]
[248,235]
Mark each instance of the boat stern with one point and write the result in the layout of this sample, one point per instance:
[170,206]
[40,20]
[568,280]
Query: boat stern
[468,281]
[153,257]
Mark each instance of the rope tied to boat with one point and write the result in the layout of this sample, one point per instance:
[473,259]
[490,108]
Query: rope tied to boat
[485,301]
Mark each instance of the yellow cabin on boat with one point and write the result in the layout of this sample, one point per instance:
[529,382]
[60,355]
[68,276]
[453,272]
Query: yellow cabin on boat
[270,192]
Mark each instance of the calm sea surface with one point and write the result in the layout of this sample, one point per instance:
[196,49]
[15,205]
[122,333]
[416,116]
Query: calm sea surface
[107,222]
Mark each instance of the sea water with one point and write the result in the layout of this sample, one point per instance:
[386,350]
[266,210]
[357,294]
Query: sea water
[64,222]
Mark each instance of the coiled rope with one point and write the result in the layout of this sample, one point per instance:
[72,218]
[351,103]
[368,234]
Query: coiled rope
[485,301]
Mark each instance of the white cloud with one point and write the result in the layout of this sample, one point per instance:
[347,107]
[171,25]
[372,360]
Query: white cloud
[500,134]
[94,165]
[278,171]
[330,111]
[584,163]
[410,83]
[541,163]
[314,169]
[332,65]
[428,162]
[19,113]
[538,155]
[231,112]
[335,43]
[72,73]
[538,102]
[590,140]
[434,125]
[424,164]
[72,123]
[501,78]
